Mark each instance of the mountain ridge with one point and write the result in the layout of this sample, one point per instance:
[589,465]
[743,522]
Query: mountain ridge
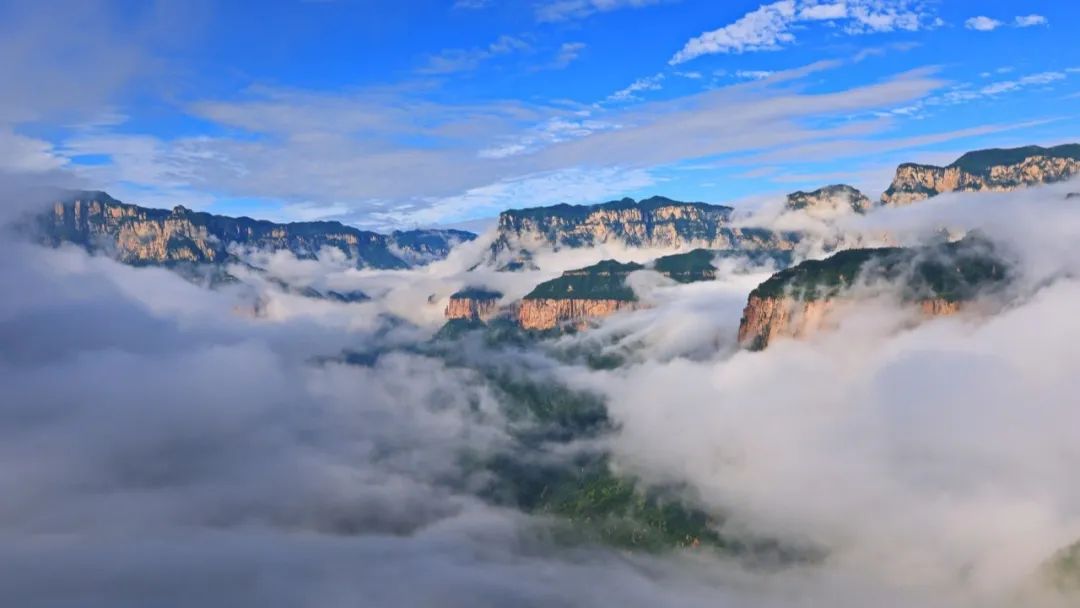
[152,236]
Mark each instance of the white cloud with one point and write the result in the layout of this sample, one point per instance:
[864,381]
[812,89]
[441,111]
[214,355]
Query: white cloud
[982,24]
[563,10]
[576,185]
[753,74]
[966,93]
[19,153]
[547,133]
[824,11]
[568,53]
[463,60]
[1027,81]
[649,83]
[356,149]
[770,26]
[1030,20]
[987,24]
[763,29]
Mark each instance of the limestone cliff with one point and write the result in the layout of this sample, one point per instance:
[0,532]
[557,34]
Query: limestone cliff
[577,296]
[937,280]
[655,222]
[144,236]
[768,318]
[473,304]
[829,202]
[984,170]
[548,313]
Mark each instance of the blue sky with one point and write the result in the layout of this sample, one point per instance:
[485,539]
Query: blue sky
[419,112]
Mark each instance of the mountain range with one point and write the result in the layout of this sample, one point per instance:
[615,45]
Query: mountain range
[700,234]
[144,236]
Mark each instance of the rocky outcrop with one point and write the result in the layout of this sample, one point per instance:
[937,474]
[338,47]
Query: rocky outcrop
[473,304]
[420,247]
[829,202]
[936,280]
[766,319]
[689,267]
[577,296]
[549,313]
[656,222]
[984,170]
[143,236]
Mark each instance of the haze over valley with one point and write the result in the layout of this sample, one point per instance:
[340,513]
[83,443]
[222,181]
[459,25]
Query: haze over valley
[479,303]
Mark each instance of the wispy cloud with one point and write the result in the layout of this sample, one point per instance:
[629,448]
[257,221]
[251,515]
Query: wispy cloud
[463,60]
[1030,20]
[564,10]
[966,93]
[549,132]
[771,26]
[753,74]
[569,52]
[982,24]
[649,83]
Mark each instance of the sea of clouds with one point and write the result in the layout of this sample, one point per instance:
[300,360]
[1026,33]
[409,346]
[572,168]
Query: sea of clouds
[159,445]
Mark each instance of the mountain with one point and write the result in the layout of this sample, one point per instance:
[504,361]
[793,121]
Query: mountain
[595,291]
[653,222]
[420,247]
[829,201]
[939,279]
[473,304]
[997,169]
[144,236]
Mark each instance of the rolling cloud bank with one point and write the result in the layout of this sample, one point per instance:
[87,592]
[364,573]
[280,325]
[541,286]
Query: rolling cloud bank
[252,444]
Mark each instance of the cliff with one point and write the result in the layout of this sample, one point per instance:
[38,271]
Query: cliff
[937,279]
[473,304]
[829,201]
[690,267]
[144,236]
[654,222]
[578,295]
[548,313]
[984,170]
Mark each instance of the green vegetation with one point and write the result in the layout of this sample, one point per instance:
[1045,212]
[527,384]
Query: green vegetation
[980,161]
[580,487]
[1063,569]
[565,211]
[477,293]
[605,280]
[696,265]
[600,507]
[950,271]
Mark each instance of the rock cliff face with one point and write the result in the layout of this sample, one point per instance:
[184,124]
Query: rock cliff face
[577,296]
[548,313]
[984,170]
[143,236]
[829,202]
[938,280]
[473,304]
[655,222]
[766,319]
